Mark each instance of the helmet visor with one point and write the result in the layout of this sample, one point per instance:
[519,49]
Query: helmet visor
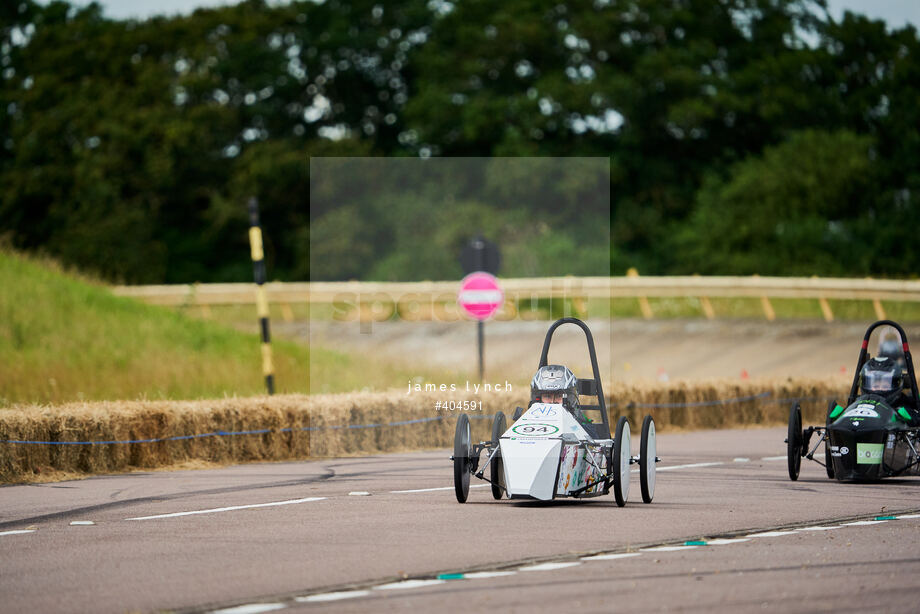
[878,381]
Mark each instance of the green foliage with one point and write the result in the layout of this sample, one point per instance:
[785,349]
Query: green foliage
[410,220]
[806,201]
[130,148]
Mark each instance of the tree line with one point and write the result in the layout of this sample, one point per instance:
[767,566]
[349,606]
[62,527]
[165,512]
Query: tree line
[743,136]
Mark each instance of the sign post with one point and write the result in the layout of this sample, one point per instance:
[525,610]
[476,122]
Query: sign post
[480,257]
[480,296]
[258,270]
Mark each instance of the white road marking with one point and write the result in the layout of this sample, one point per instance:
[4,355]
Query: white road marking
[675,467]
[773,458]
[434,489]
[772,534]
[82,523]
[487,574]
[818,528]
[228,509]
[332,596]
[20,532]
[549,566]
[609,557]
[862,523]
[723,542]
[251,608]
[667,548]
[740,459]
[408,584]
[907,516]
[359,493]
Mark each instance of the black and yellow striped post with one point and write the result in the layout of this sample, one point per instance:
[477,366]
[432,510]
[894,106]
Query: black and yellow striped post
[258,271]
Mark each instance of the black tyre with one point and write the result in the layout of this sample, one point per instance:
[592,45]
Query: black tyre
[518,412]
[647,455]
[497,475]
[828,460]
[621,456]
[463,447]
[794,442]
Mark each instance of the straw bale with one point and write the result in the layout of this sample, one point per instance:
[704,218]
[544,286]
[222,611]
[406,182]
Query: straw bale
[300,426]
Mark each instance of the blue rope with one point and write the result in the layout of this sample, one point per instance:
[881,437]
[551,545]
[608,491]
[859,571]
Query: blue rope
[755,397]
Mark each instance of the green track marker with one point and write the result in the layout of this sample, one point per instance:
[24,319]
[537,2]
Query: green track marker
[695,543]
[450,576]
[885,517]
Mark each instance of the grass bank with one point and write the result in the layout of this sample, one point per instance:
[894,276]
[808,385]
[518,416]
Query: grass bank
[65,337]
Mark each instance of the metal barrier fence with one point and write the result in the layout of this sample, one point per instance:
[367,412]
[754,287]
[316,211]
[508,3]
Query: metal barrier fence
[427,299]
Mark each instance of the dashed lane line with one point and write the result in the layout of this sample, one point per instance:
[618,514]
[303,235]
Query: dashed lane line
[19,532]
[233,508]
[553,565]
[434,489]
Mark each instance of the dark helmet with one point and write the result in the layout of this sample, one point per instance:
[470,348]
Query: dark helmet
[892,348]
[555,378]
[881,376]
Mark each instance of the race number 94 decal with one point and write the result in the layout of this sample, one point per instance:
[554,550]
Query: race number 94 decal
[535,430]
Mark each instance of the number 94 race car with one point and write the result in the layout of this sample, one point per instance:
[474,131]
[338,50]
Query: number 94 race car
[877,433]
[553,449]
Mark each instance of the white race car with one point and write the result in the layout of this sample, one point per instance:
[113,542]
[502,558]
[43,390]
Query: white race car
[548,452]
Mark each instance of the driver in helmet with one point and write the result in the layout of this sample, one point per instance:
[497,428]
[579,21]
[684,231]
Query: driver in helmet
[891,347]
[882,376]
[557,384]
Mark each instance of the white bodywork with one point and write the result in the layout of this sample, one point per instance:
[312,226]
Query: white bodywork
[547,452]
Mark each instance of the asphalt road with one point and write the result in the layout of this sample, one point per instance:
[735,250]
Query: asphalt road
[292,535]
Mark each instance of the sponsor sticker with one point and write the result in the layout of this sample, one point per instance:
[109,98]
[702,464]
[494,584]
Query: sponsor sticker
[540,413]
[869,453]
[864,410]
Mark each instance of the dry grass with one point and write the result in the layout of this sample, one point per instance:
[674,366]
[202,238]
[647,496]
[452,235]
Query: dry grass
[120,421]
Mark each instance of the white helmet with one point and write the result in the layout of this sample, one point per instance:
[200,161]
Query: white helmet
[555,378]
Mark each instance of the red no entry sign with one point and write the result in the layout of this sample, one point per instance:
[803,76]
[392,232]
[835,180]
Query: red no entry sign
[480,295]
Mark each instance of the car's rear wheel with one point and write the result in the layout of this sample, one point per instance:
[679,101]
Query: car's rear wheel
[497,475]
[647,452]
[518,412]
[463,448]
[794,441]
[621,456]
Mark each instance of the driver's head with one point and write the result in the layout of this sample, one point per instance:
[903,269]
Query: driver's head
[881,376]
[554,384]
[893,349]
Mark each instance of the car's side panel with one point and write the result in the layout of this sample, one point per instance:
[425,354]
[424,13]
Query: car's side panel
[575,471]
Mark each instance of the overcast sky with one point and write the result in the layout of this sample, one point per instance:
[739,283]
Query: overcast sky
[896,12]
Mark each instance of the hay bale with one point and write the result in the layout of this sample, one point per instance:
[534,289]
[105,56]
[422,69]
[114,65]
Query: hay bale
[299,426]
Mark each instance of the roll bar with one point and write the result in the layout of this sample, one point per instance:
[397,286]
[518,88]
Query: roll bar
[864,356]
[587,387]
